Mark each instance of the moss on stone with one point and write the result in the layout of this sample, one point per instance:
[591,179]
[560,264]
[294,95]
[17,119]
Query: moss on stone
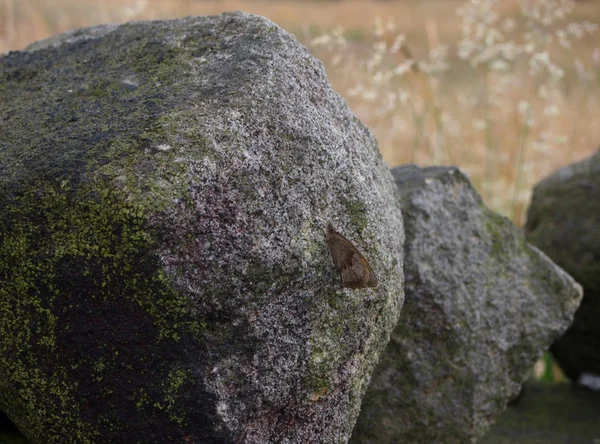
[495,225]
[357,212]
[52,236]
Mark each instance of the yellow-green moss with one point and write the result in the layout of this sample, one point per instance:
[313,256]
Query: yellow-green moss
[45,229]
[357,213]
[494,224]
[329,348]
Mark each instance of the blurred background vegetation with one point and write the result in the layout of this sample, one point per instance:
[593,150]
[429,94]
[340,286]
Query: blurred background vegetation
[506,90]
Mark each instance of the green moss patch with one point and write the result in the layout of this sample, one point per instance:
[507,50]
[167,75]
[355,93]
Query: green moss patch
[83,298]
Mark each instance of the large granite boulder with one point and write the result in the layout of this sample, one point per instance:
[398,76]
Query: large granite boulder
[165,188]
[564,221]
[481,307]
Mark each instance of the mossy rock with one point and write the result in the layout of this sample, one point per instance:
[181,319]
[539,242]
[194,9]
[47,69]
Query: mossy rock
[164,191]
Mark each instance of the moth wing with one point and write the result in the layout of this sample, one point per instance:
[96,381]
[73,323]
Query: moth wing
[341,250]
[362,275]
[355,271]
[372,281]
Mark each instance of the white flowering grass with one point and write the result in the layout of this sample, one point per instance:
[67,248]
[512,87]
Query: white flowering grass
[504,102]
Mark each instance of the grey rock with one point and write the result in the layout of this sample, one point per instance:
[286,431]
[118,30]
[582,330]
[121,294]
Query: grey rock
[164,193]
[564,221]
[481,305]
[549,414]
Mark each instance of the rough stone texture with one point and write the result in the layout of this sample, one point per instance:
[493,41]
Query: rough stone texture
[549,414]
[481,306]
[564,221]
[164,191]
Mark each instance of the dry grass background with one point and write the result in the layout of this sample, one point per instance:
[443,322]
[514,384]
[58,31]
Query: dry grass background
[508,91]
[493,124]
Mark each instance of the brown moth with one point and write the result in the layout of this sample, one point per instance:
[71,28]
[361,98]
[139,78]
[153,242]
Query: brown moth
[355,271]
